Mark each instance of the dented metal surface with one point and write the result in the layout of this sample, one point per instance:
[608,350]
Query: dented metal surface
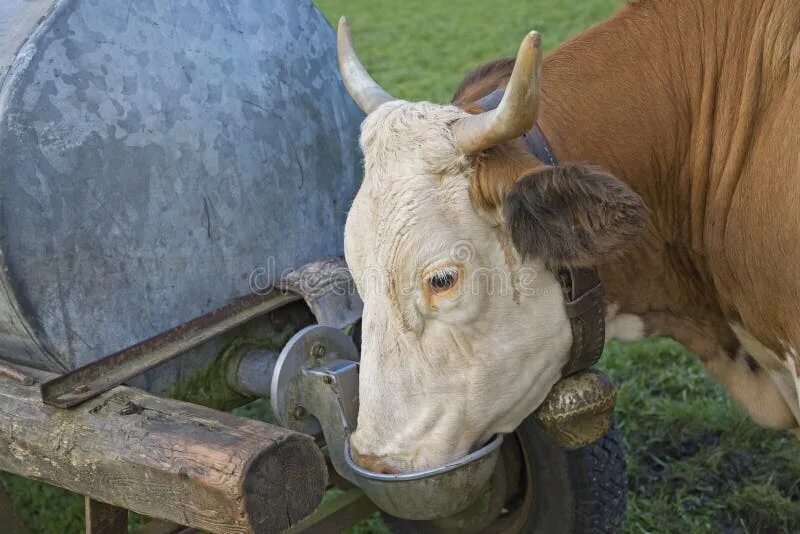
[328,288]
[160,160]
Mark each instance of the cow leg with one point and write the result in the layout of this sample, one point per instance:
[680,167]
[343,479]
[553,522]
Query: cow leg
[755,389]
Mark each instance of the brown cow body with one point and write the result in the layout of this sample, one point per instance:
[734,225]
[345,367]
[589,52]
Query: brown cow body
[695,104]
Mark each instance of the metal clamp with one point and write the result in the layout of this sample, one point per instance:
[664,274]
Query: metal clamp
[315,388]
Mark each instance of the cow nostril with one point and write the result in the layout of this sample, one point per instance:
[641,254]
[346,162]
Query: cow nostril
[367,461]
[374,463]
[385,469]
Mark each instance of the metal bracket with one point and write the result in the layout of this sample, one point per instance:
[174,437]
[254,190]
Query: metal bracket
[315,388]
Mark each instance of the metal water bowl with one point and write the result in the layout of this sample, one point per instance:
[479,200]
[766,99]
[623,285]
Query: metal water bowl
[432,493]
[318,371]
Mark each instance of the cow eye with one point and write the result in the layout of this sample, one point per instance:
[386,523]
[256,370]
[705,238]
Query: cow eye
[443,280]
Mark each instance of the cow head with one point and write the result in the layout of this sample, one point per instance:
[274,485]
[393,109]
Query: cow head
[452,240]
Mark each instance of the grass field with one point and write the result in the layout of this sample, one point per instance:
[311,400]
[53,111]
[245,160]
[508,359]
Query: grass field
[695,462]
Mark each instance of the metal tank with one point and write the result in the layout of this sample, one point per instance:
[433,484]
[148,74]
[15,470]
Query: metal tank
[154,156]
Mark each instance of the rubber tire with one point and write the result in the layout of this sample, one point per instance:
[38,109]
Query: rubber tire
[575,492]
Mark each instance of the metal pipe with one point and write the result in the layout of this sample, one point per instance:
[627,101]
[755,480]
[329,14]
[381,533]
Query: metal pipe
[251,373]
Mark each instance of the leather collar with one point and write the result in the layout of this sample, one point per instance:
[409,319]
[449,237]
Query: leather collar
[583,289]
[534,138]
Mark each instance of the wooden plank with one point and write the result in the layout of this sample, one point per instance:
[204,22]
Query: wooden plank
[159,526]
[337,514]
[102,518]
[163,458]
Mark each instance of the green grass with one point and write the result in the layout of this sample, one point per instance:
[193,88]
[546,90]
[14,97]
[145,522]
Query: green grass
[420,49]
[695,462]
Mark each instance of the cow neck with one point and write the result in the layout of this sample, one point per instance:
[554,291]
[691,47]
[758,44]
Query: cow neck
[582,287]
[633,97]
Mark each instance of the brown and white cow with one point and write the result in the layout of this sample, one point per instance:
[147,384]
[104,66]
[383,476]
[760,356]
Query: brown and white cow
[691,106]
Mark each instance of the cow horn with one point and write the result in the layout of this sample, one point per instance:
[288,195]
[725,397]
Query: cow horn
[518,109]
[364,90]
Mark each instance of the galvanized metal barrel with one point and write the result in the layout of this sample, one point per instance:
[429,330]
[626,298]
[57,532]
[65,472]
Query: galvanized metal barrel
[154,156]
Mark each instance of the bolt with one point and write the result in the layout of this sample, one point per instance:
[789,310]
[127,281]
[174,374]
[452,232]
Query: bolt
[318,350]
[299,413]
[83,388]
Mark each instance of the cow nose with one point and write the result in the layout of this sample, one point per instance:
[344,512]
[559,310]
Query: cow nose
[372,462]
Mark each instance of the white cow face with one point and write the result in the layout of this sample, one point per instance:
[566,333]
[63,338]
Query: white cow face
[464,328]
[460,338]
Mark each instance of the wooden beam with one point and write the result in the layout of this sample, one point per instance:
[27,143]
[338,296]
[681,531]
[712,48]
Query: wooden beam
[159,526]
[337,514]
[163,458]
[102,518]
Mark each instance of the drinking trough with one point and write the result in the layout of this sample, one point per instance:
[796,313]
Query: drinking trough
[160,161]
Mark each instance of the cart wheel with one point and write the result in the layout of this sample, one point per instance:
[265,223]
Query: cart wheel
[544,490]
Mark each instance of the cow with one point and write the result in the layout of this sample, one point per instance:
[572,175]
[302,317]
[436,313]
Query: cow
[675,124]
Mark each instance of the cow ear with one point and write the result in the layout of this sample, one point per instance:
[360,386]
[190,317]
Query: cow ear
[572,215]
